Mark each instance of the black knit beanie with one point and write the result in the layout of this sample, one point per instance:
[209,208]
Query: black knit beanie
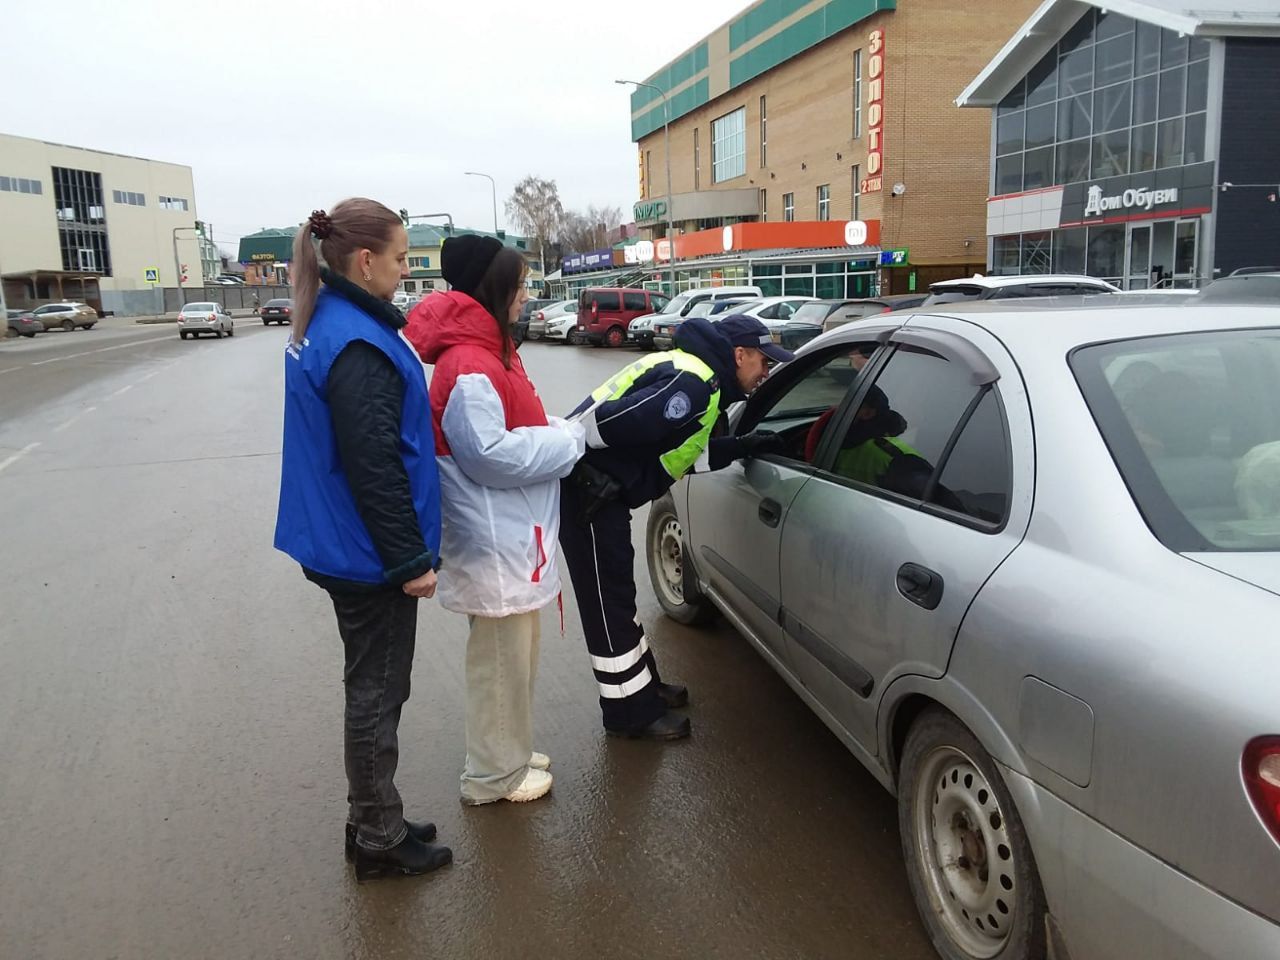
[465,259]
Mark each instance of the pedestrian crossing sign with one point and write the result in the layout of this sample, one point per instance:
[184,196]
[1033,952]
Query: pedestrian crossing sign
[153,275]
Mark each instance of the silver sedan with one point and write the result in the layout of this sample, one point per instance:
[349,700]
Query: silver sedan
[1025,563]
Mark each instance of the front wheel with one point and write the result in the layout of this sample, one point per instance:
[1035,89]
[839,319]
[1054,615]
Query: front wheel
[69,326]
[969,863]
[673,581]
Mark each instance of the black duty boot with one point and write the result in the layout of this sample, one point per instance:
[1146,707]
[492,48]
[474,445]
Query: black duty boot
[674,695]
[669,726]
[426,832]
[408,858]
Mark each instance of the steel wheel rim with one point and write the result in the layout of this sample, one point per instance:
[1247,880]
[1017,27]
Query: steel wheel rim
[964,852]
[670,557]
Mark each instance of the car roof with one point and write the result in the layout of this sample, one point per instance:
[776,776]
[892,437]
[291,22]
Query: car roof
[1009,281]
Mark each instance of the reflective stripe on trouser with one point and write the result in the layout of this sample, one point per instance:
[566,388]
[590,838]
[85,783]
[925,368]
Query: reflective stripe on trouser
[601,561]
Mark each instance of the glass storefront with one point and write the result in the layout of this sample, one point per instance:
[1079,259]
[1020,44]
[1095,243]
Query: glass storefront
[1134,256]
[1113,97]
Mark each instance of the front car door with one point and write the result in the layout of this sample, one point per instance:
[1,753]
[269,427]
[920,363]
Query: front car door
[906,515]
[734,516]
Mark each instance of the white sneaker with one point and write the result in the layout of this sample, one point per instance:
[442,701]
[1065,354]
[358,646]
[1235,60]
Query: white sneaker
[539,761]
[535,784]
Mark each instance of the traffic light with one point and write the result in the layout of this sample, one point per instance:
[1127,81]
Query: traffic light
[404,216]
[184,274]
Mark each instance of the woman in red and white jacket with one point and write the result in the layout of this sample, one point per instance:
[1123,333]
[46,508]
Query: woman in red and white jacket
[500,461]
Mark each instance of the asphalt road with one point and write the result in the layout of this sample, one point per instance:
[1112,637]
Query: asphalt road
[171,778]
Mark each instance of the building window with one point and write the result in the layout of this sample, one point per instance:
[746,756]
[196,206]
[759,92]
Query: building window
[855,189]
[129,198]
[764,206]
[82,223]
[824,202]
[1113,97]
[173,203]
[764,134]
[857,94]
[788,207]
[420,262]
[21,185]
[729,146]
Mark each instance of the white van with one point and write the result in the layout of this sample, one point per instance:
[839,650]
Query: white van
[641,329]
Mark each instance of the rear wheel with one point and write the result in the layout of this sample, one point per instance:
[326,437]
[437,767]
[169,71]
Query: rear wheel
[29,335]
[969,862]
[231,330]
[89,326]
[673,581]
[68,325]
[182,334]
[615,337]
[266,323]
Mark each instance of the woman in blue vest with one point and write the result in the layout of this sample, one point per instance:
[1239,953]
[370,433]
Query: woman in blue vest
[360,501]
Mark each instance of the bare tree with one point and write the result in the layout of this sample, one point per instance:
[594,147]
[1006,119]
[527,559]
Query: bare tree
[590,230]
[534,206]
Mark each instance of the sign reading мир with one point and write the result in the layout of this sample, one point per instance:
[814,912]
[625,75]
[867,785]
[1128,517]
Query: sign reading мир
[874,180]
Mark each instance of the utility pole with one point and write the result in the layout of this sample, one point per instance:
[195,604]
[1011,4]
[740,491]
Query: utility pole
[666,149]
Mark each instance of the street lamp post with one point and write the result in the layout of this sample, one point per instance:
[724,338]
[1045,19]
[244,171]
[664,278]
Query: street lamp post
[494,187]
[666,149]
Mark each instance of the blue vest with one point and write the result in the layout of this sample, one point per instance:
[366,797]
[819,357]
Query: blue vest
[317,523]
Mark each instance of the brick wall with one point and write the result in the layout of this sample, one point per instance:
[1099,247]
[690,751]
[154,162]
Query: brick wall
[940,152]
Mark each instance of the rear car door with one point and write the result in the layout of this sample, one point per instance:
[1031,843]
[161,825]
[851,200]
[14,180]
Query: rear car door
[878,570]
[734,516]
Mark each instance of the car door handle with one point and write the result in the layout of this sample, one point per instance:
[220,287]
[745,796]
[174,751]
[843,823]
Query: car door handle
[920,585]
[770,512]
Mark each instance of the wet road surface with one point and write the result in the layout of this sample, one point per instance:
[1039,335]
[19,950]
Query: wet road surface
[170,695]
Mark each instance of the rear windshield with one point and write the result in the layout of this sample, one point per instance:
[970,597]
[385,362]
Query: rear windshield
[678,304]
[279,303]
[813,313]
[199,307]
[1193,422]
[954,295]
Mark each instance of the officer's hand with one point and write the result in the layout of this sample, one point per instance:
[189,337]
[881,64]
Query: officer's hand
[762,442]
[423,587]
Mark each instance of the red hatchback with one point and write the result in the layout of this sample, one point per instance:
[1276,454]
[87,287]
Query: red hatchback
[604,313]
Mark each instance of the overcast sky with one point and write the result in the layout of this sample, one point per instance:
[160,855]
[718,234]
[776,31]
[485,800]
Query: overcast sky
[283,107]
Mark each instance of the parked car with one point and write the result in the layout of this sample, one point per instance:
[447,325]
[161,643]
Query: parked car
[641,329]
[197,318]
[1041,617]
[604,313]
[279,311]
[664,330]
[979,287]
[554,321]
[1255,286]
[22,323]
[529,316]
[1245,271]
[856,309]
[521,328]
[67,315]
[774,312]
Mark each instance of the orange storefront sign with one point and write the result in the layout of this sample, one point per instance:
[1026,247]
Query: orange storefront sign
[794,235]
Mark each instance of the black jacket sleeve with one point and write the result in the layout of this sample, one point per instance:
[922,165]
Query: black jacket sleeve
[366,398]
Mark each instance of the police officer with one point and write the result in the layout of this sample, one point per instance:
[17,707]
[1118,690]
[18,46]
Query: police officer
[648,426]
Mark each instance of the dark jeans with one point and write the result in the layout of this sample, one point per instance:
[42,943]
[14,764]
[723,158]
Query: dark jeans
[378,631]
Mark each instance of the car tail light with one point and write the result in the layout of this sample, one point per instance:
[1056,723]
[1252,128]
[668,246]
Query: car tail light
[286,309]
[539,316]
[1261,767]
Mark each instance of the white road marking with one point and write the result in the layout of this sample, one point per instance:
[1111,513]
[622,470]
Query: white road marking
[10,369]
[63,426]
[19,455]
[125,389]
[119,346]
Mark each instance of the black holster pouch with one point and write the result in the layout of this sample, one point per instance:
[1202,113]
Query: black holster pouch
[595,488]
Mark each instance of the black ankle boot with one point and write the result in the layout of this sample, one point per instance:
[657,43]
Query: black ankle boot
[408,858]
[674,695]
[669,726]
[426,832]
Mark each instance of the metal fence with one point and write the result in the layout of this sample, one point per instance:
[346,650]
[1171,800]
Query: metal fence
[233,297]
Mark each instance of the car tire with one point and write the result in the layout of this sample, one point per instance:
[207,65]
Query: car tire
[89,326]
[969,862]
[182,334]
[217,334]
[231,330]
[615,337]
[266,323]
[69,326]
[669,571]
[29,335]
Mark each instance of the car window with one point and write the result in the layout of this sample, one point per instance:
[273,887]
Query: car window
[804,409]
[702,309]
[977,472]
[635,301]
[954,295]
[1193,423]
[658,303]
[770,312]
[903,424]
[813,313]
[199,307]
[608,300]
